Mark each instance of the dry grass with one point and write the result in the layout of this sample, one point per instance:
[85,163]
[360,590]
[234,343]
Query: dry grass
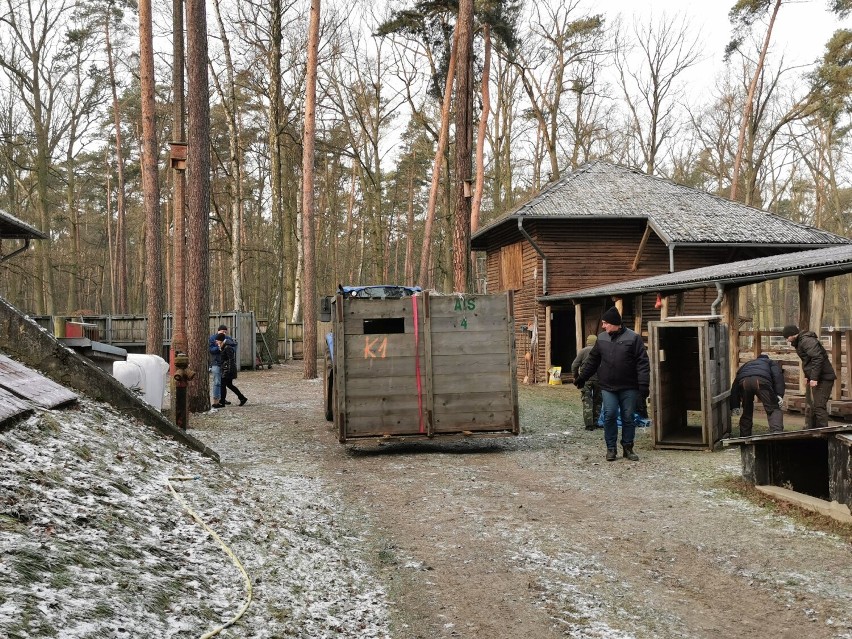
[807,518]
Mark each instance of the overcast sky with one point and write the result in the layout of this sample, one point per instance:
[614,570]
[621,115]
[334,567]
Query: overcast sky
[801,29]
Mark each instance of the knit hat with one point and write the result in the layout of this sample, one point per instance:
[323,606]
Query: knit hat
[789,330]
[222,327]
[591,339]
[612,316]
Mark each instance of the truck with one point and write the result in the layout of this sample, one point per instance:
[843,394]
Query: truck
[401,363]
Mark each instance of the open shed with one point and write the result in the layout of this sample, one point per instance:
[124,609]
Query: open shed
[811,268]
[605,224]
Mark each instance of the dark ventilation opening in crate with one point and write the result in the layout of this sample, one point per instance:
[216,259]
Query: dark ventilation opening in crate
[384,325]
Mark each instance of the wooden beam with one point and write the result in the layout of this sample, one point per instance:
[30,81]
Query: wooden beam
[637,314]
[578,326]
[731,317]
[679,304]
[619,304]
[804,303]
[817,306]
[848,375]
[548,314]
[836,362]
[641,249]
[664,307]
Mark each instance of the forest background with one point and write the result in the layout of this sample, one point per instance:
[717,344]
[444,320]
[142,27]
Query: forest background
[553,84]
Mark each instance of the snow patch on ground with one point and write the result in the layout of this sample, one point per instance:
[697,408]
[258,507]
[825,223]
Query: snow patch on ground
[92,542]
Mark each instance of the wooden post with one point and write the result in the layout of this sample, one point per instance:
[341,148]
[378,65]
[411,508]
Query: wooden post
[548,314]
[731,317]
[619,304]
[679,304]
[836,362]
[578,325]
[848,375]
[756,344]
[637,315]
[804,304]
[817,307]
[804,319]
[664,307]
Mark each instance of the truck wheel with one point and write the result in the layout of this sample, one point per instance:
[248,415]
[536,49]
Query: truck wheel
[328,387]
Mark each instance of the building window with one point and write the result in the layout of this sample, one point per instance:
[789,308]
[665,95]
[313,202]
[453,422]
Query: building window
[511,267]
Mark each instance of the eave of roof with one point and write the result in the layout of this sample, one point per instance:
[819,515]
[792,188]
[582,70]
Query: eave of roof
[11,228]
[831,261]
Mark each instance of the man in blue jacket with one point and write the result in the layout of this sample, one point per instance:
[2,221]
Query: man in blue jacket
[621,360]
[763,378]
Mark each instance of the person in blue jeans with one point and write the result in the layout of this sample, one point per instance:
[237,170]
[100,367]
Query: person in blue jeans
[624,373]
[216,363]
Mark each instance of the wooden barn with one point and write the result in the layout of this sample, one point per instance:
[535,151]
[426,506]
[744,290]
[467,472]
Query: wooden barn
[605,223]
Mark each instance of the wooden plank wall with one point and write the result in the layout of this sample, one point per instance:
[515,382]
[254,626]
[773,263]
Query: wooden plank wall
[451,371]
[589,253]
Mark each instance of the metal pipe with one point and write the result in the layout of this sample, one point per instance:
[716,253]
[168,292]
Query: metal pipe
[671,258]
[714,306]
[15,252]
[540,253]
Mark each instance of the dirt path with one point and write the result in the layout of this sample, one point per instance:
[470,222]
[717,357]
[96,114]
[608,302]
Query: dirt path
[538,537]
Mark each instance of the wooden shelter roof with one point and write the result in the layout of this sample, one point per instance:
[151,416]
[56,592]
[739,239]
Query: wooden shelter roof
[677,214]
[831,261]
[11,228]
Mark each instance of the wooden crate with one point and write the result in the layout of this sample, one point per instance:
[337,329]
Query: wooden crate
[424,366]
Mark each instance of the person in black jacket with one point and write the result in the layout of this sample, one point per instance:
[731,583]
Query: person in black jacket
[761,377]
[229,370]
[624,372]
[591,392]
[818,371]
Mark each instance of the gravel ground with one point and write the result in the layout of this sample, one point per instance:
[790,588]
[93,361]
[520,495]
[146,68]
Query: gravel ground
[531,536]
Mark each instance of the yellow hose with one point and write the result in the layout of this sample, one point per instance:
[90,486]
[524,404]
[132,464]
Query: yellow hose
[228,551]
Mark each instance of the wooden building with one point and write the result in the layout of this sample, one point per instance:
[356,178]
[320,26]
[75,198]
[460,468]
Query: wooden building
[603,224]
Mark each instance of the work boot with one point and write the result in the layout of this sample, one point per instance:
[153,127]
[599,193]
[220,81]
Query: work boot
[628,452]
[243,400]
[611,454]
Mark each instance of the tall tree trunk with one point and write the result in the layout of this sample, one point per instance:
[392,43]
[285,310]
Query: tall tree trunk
[121,225]
[179,338]
[749,104]
[151,185]
[464,136]
[229,102]
[483,128]
[409,240]
[425,254]
[309,281]
[275,160]
[198,201]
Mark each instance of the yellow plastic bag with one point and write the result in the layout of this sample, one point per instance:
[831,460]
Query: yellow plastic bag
[554,376]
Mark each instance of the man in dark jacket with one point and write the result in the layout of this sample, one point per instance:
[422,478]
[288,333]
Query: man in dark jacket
[216,363]
[621,361]
[591,392]
[765,379]
[818,371]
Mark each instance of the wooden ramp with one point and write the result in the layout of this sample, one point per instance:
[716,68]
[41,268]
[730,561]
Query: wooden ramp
[12,408]
[25,383]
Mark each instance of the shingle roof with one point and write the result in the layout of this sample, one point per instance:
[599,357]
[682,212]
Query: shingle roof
[834,260]
[678,214]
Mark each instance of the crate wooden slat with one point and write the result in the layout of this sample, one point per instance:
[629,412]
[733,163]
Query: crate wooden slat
[30,385]
[445,367]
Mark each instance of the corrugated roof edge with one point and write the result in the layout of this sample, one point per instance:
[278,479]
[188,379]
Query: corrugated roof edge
[833,259]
